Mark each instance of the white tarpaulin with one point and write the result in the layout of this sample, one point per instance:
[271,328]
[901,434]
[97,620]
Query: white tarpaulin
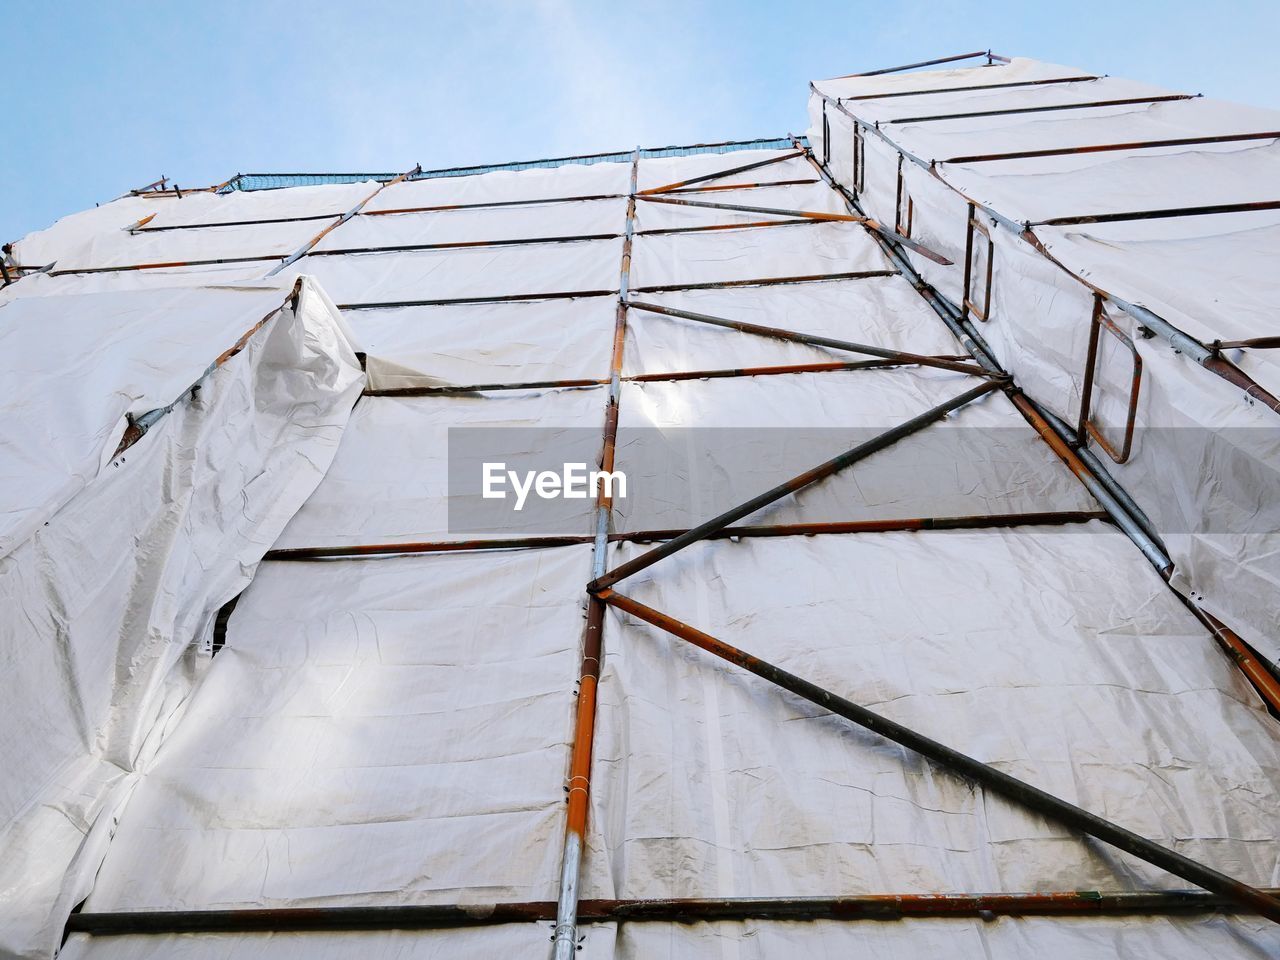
[396,729]
[475,343]
[581,218]
[115,566]
[79,365]
[366,740]
[1205,457]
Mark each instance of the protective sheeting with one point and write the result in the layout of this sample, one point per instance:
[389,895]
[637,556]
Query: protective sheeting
[689,258]
[485,343]
[882,311]
[70,233]
[102,238]
[959,104]
[810,197]
[482,273]
[104,602]
[657,172]
[395,730]
[319,202]
[714,783]
[941,140]
[1107,183]
[386,731]
[224,274]
[516,940]
[693,449]
[81,365]
[124,248]
[390,482]
[1210,275]
[580,218]
[1001,938]
[1204,456]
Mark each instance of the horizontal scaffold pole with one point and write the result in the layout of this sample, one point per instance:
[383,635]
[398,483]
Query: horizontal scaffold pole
[745,186]
[881,906]
[824,528]
[1111,147]
[705,227]
[767,281]
[464,244]
[969,89]
[449,390]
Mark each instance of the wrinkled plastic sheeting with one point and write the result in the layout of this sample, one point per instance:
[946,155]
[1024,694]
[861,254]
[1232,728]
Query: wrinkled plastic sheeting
[508,940]
[382,731]
[663,171]
[80,365]
[1205,459]
[390,482]
[814,197]
[535,221]
[400,724]
[1003,938]
[881,311]
[687,258]
[486,343]
[693,449]
[712,782]
[214,225]
[105,602]
[480,272]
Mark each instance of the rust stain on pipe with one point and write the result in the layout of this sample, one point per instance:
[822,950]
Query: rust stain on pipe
[778,333]
[876,907]
[834,527]
[717,175]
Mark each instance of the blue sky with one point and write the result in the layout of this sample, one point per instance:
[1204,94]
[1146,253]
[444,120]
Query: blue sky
[100,96]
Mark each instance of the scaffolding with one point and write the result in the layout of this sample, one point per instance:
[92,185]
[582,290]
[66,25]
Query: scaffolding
[627,287]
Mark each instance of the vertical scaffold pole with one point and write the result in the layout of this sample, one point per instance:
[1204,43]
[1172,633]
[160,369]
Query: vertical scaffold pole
[579,785]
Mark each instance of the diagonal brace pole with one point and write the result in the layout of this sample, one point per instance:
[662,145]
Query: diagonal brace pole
[860,452]
[1009,787]
[777,333]
[743,208]
[718,174]
[868,222]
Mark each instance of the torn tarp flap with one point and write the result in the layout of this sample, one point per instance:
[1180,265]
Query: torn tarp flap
[125,570]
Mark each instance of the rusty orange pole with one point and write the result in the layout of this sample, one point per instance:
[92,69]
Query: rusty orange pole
[579,785]
[872,906]
[997,781]
[1239,653]
[718,174]
[310,244]
[816,216]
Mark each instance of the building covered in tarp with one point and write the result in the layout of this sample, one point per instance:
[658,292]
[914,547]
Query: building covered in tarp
[937,616]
